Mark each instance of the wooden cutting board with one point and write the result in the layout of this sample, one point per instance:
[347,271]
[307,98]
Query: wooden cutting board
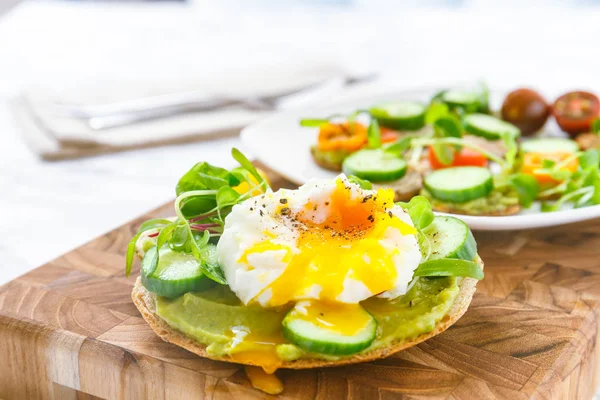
[68,330]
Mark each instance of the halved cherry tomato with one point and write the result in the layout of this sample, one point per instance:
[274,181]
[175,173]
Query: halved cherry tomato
[532,165]
[465,157]
[345,136]
[388,135]
[575,111]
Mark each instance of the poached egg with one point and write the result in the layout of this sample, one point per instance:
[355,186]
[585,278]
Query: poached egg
[329,240]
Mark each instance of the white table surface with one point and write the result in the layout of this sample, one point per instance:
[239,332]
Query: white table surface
[46,209]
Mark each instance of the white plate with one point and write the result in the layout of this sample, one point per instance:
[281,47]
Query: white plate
[283,145]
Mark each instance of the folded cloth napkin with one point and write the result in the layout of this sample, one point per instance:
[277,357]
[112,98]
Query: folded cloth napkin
[53,136]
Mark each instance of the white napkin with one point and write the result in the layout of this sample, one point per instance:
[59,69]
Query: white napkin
[56,137]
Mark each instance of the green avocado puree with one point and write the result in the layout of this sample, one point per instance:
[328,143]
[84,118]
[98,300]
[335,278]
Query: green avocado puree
[217,319]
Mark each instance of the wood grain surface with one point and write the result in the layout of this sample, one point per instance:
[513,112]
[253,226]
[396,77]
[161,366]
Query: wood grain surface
[68,330]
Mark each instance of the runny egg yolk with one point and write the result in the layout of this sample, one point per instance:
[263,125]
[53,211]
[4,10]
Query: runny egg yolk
[345,319]
[344,245]
[257,349]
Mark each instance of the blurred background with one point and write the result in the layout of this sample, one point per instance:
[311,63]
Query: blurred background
[63,180]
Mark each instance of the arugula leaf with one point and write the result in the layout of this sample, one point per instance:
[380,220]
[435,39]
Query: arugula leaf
[247,165]
[589,159]
[419,210]
[450,267]
[156,223]
[364,184]
[510,142]
[527,188]
[226,196]
[399,146]
[210,265]
[448,126]
[436,111]
[443,152]
[560,175]
[180,237]
[205,176]
[374,135]
[313,122]
[550,206]
[164,235]
[548,163]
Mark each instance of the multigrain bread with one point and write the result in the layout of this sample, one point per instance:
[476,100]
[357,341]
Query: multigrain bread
[146,304]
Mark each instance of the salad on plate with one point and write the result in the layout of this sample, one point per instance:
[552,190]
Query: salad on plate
[465,158]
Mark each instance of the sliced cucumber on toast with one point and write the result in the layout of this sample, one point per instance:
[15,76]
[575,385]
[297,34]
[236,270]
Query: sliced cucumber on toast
[313,333]
[176,273]
[450,237]
[459,184]
[401,115]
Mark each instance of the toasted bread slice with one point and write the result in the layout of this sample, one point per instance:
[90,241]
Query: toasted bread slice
[405,188]
[324,163]
[146,304]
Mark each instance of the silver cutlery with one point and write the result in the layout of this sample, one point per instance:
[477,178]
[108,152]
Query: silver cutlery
[128,112]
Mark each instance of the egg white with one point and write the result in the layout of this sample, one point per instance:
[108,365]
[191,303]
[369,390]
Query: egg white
[254,221]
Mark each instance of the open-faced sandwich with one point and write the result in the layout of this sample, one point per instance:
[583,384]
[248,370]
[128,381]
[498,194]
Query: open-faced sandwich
[465,160]
[329,274]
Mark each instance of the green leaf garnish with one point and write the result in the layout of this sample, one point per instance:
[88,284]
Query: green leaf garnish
[313,122]
[247,165]
[589,159]
[205,176]
[443,152]
[527,188]
[419,210]
[448,126]
[364,184]
[156,223]
[548,163]
[399,146]
[374,135]
[205,197]
[226,196]
[436,111]
[450,267]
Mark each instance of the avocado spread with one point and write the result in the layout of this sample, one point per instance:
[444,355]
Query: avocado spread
[498,200]
[333,158]
[218,320]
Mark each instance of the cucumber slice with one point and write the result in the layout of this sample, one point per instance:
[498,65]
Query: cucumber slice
[311,331]
[450,237]
[459,184]
[459,98]
[176,273]
[402,115]
[374,165]
[549,145]
[488,127]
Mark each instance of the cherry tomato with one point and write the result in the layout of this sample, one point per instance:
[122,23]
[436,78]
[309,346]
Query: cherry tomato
[465,157]
[342,137]
[532,165]
[526,109]
[575,111]
[389,135]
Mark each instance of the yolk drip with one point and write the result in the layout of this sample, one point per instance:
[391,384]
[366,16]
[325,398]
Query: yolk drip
[346,319]
[345,245]
[257,350]
[261,380]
